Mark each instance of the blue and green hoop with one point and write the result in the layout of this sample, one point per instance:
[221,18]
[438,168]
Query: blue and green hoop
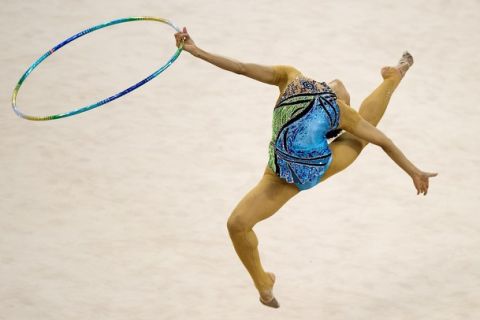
[106,100]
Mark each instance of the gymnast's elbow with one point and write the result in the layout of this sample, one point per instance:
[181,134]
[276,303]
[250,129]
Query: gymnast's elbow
[240,69]
[386,144]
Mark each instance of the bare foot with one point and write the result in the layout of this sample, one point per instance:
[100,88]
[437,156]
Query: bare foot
[405,62]
[266,296]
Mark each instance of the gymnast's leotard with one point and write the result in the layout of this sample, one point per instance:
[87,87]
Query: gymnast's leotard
[298,151]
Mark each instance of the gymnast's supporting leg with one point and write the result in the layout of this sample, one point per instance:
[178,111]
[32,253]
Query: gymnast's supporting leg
[347,147]
[269,195]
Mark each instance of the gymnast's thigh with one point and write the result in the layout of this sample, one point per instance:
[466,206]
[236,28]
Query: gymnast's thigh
[345,149]
[263,200]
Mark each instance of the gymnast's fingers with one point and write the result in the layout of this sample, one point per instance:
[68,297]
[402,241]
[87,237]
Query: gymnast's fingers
[186,32]
[181,36]
[178,38]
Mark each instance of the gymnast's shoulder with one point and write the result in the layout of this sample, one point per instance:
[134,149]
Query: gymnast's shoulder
[286,72]
[284,75]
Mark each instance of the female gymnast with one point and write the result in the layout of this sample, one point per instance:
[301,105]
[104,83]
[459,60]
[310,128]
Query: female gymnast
[305,115]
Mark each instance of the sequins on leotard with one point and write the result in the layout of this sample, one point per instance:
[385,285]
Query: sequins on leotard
[298,150]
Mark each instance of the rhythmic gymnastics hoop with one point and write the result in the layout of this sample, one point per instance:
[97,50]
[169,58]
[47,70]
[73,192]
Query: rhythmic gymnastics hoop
[106,100]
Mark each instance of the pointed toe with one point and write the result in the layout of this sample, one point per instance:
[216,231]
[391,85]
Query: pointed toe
[272,303]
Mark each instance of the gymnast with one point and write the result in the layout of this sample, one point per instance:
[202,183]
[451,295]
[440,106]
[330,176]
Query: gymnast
[306,116]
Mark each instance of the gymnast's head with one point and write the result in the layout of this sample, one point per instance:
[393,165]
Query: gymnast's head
[339,88]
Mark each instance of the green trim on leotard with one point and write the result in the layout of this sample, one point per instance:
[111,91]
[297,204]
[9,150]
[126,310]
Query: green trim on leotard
[281,115]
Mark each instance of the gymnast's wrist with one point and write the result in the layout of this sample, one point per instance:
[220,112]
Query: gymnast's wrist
[195,51]
[414,172]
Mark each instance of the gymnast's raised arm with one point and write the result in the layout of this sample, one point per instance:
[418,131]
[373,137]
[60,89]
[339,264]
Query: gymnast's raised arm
[274,75]
[353,122]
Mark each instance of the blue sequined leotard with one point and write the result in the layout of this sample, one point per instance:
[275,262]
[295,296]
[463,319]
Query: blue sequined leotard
[298,151]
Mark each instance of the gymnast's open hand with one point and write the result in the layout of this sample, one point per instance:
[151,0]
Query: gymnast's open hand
[420,180]
[188,44]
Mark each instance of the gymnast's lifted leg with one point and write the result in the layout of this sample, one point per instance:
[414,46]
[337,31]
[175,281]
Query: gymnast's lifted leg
[346,147]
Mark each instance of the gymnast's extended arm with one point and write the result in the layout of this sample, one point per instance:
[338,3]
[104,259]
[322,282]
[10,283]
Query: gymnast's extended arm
[274,75]
[355,124]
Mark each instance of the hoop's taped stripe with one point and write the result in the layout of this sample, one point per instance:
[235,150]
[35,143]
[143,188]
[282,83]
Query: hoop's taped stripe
[106,100]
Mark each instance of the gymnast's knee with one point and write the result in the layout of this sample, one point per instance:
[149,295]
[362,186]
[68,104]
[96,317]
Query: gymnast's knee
[236,223]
